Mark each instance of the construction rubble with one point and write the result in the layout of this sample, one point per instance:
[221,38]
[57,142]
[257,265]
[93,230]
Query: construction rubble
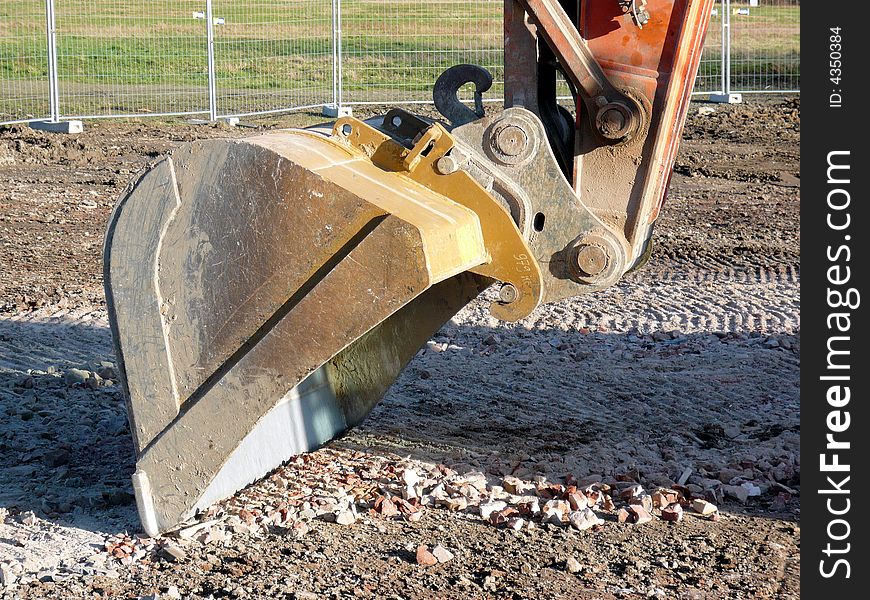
[357,488]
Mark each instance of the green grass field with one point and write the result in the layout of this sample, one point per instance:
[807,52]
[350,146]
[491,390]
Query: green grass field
[151,55]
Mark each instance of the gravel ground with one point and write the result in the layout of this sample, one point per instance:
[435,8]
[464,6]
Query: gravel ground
[685,376]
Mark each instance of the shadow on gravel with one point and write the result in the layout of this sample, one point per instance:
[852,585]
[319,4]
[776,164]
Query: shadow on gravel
[65,447]
[503,400]
[724,407]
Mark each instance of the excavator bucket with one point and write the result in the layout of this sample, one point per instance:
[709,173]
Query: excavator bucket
[264,293]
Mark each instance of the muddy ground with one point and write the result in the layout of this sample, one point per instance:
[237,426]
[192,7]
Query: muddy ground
[690,364]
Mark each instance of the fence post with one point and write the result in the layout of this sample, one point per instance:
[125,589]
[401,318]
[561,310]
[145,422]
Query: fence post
[54,123]
[212,84]
[51,40]
[726,88]
[725,57]
[726,96]
[336,109]
[335,70]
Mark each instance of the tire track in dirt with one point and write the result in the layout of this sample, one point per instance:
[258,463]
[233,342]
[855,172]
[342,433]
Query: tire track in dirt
[687,299]
[781,274]
[687,305]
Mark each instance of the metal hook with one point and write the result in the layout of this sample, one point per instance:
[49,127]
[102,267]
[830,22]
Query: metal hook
[447,87]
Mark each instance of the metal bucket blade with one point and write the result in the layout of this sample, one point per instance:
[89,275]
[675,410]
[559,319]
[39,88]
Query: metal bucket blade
[263,295]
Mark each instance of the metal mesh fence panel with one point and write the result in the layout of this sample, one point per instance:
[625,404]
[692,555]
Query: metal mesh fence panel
[153,57]
[272,55]
[131,57]
[765,45]
[710,70]
[393,51]
[23,61]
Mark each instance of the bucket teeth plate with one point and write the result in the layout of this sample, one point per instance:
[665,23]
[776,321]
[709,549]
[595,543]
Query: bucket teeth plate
[263,295]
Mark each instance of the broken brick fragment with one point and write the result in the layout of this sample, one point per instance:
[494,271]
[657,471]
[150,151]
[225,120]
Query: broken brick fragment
[578,500]
[631,491]
[424,557]
[703,507]
[673,513]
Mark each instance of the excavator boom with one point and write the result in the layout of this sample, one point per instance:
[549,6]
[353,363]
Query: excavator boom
[264,293]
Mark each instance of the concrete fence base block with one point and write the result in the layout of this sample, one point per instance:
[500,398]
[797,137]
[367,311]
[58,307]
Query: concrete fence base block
[731,98]
[333,111]
[231,121]
[59,126]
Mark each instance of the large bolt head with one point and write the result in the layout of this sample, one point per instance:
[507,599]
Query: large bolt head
[513,139]
[595,259]
[446,165]
[614,121]
[591,259]
[508,294]
[510,140]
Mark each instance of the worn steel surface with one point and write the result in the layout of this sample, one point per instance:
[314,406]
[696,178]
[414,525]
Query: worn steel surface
[236,269]
[556,218]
